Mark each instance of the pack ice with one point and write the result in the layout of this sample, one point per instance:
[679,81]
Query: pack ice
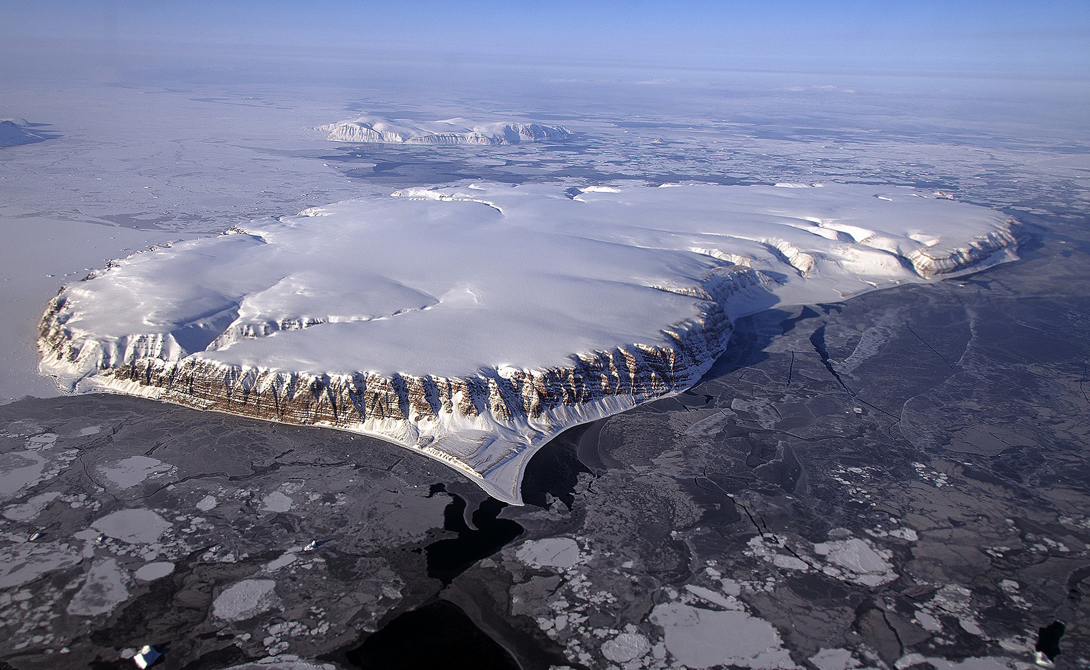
[472,324]
[447,131]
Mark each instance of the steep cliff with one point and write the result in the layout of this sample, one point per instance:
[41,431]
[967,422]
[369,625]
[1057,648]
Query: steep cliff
[474,324]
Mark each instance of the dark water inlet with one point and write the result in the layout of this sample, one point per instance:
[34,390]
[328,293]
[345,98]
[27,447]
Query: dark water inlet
[437,635]
[1048,639]
[451,557]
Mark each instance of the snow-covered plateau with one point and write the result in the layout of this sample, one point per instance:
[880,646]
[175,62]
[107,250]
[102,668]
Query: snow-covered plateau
[447,131]
[473,324]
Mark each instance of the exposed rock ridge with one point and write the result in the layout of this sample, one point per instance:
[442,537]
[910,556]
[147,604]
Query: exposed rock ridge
[927,263]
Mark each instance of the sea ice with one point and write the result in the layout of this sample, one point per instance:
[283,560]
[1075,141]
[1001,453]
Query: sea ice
[626,647]
[553,552]
[700,638]
[135,526]
[276,502]
[32,507]
[859,558]
[149,572]
[245,599]
[133,470]
[475,323]
[104,589]
[23,563]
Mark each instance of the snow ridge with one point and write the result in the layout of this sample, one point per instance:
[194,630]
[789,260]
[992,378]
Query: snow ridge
[474,324]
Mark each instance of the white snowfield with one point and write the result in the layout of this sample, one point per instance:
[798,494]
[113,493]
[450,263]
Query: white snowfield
[473,324]
[447,131]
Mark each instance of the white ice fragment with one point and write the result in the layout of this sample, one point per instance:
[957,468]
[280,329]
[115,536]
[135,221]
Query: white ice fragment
[90,430]
[19,469]
[866,565]
[552,552]
[149,572]
[834,659]
[135,526]
[23,563]
[40,442]
[976,663]
[285,559]
[626,647]
[700,638]
[276,502]
[246,599]
[713,597]
[789,562]
[970,626]
[928,622]
[909,660]
[206,503]
[32,507]
[131,471]
[103,590]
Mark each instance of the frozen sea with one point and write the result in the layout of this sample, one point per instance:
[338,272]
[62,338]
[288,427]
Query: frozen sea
[891,481]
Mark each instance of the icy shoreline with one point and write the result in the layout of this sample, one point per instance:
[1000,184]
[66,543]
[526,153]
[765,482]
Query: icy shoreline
[493,317]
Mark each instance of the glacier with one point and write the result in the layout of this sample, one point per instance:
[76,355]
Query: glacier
[473,323]
[368,129]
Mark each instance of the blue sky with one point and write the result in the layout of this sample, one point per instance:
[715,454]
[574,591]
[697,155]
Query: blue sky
[997,37]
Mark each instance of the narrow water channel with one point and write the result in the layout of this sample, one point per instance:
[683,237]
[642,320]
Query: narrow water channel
[451,557]
[436,635]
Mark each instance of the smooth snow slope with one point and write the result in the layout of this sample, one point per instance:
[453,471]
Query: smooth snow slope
[447,131]
[474,324]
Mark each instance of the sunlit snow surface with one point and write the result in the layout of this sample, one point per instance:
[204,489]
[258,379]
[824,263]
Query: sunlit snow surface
[491,280]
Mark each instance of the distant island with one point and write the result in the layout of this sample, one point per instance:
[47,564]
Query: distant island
[444,132]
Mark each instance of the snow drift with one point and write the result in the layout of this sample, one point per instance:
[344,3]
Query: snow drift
[473,324]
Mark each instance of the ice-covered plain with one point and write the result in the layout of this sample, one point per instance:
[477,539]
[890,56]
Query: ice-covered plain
[475,323]
[444,132]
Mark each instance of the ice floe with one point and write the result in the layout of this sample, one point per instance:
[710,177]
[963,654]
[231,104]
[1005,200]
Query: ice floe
[245,599]
[135,526]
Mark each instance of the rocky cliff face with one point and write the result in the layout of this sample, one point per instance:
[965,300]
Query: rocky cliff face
[507,412]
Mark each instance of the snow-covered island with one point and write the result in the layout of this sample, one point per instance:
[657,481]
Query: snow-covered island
[14,132]
[370,129]
[473,324]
